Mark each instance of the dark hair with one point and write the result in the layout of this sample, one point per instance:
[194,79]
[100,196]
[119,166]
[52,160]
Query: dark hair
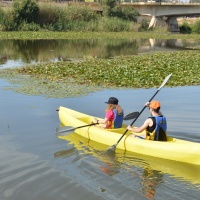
[156,110]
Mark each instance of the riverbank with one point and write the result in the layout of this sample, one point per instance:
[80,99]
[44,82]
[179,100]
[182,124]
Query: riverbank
[157,34]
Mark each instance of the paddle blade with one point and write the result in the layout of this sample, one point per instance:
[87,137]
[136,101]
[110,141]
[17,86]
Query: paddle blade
[165,81]
[111,149]
[65,130]
[131,115]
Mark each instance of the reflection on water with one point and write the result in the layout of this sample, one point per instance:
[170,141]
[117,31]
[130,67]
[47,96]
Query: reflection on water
[150,180]
[145,173]
[20,52]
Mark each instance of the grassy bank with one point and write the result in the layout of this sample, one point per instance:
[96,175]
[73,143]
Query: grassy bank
[105,16]
[31,15]
[157,34]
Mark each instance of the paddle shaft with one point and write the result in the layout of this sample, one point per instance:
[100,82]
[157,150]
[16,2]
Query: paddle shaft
[136,117]
[73,129]
[166,79]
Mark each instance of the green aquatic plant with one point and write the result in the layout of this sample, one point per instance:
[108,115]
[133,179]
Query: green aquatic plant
[64,79]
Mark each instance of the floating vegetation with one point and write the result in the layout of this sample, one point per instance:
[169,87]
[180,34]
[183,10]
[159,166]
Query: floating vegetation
[44,87]
[67,79]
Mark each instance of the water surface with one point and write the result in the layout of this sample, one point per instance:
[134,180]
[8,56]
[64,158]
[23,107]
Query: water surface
[36,165]
[14,53]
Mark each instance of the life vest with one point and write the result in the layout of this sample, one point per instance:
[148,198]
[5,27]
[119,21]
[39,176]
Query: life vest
[118,119]
[159,133]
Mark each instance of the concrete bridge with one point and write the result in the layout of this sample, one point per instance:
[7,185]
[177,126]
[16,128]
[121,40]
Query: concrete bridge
[165,11]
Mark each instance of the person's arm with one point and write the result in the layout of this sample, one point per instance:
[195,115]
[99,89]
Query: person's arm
[102,121]
[105,120]
[141,128]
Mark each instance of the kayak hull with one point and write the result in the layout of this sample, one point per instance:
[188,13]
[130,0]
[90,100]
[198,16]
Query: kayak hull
[173,149]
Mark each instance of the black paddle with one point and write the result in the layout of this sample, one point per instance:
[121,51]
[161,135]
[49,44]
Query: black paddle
[113,147]
[70,129]
[131,115]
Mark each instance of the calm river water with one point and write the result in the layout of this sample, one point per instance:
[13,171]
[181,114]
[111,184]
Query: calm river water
[20,52]
[36,165]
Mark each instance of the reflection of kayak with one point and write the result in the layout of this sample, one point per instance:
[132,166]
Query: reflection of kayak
[186,172]
[173,149]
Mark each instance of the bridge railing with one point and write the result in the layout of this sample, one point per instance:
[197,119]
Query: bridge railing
[132,1]
[163,1]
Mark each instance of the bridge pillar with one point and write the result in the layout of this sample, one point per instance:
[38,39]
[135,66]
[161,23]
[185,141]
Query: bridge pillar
[157,22]
[152,22]
[173,24]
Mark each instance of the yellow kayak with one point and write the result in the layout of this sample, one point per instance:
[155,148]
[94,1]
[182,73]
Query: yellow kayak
[174,149]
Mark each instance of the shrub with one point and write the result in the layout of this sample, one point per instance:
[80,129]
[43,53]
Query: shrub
[6,20]
[125,13]
[66,17]
[196,27]
[115,24]
[24,26]
[25,10]
[1,18]
[143,25]
[48,14]
[185,28]
[83,13]
[1,14]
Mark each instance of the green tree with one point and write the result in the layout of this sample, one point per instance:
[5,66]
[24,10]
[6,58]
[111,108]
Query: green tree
[25,11]
[113,9]
[196,27]
[125,13]
[185,28]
